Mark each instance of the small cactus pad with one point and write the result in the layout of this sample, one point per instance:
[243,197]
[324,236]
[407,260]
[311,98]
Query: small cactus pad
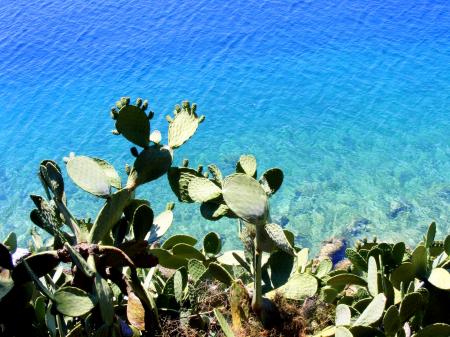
[89,175]
[434,330]
[275,232]
[247,165]
[220,273]
[212,244]
[178,238]
[133,123]
[179,179]
[246,198]
[184,124]
[51,174]
[110,172]
[298,287]
[160,225]
[142,221]
[216,174]
[201,189]
[391,321]
[152,163]
[343,315]
[213,211]
[271,180]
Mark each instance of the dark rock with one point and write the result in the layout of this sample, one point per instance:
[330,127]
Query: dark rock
[397,208]
[357,227]
[334,248]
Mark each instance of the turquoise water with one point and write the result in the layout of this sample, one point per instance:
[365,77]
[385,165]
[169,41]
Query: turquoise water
[351,98]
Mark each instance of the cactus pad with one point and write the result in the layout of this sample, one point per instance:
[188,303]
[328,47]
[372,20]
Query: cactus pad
[183,125]
[373,312]
[179,238]
[440,278]
[179,179]
[298,287]
[343,315]
[246,198]
[203,189]
[247,165]
[213,211]
[51,174]
[73,302]
[88,175]
[151,163]
[275,232]
[271,180]
[110,172]
[133,123]
[212,244]
[160,225]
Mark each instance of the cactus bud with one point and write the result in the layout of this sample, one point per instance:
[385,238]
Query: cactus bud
[206,174]
[375,239]
[119,105]
[125,101]
[200,168]
[155,137]
[138,102]
[364,240]
[115,132]
[134,151]
[201,119]
[150,115]
[169,119]
[144,105]
[185,162]
[127,169]
[185,105]
[194,107]
[177,109]
[114,113]
[170,206]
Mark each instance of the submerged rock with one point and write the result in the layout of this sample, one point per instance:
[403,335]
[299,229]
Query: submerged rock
[397,208]
[334,248]
[357,227]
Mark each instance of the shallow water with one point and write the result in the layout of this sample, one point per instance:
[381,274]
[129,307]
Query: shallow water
[350,98]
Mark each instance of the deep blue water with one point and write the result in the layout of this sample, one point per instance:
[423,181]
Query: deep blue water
[351,98]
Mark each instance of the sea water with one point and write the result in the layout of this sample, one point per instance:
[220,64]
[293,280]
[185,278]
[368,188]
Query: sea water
[350,98]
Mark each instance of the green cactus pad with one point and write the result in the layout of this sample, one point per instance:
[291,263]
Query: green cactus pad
[247,165]
[216,174]
[299,287]
[365,331]
[447,245]
[271,180]
[220,273]
[398,251]
[110,172]
[213,211]
[345,279]
[142,221]
[51,174]
[133,123]
[372,277]
[88,175]
[411,304]
[373,312]
[440,278]
[419,259]
[356,259]
[178,238]
[228,332]
[187,251]
[160,225]
[183,125]
[105,299]
[343,315]
[152,163]
[109,215]
[328,294]
[391,321]
[434,330]
[324,267]
[403,273]
[431,233]
[246,198]
[276,233]
[167,259]
[179,179]
[203,189]
[196,269]
[73,302]
[10,242]
[212,244]
[281,266]
[342,332]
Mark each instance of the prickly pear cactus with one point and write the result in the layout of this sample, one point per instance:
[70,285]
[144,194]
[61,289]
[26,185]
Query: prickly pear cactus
[184,124]
[132,122]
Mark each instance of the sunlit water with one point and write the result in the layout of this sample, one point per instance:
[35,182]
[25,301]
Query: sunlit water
[350,98]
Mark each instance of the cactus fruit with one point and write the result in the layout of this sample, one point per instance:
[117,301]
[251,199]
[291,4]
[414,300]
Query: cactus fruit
[183,125]
[246,198]
[151,163]
[203,190]
[272,180]
[132,122]
[247,165]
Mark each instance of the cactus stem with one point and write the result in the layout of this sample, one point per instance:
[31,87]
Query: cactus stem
[257,293]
